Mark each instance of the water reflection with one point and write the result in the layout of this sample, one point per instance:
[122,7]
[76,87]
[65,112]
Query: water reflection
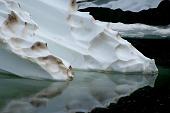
[86,91]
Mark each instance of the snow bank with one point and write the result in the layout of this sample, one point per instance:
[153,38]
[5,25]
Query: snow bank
[140,30]
[131,5]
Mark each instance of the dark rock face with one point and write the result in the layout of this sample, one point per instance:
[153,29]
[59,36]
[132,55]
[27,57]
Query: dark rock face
[157,49]
[159,16]
[144,100]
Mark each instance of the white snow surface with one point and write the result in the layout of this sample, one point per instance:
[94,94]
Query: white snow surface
[66,33]
[21,51]
[82,41]
[131,5]
[141,30]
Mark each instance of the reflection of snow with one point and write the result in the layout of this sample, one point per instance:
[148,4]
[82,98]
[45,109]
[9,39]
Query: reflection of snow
[86,91]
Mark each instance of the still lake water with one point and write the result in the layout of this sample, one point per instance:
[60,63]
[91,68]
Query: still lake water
[86,91]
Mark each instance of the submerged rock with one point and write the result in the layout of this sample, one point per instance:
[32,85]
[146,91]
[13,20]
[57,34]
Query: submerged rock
[21,51]
[82,41]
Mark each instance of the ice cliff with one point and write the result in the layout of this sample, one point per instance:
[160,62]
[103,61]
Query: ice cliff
[70,35]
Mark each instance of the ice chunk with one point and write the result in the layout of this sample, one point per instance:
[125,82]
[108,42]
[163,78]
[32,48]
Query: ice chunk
[84,42]
[21,52]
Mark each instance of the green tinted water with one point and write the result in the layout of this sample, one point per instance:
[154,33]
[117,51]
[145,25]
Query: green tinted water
[163,80]
[86,91]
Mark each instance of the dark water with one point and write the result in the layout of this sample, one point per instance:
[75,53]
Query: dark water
[144,100]
[87,91]
[163,80]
